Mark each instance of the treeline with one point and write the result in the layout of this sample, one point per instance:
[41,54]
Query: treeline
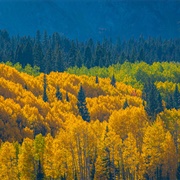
[57,53]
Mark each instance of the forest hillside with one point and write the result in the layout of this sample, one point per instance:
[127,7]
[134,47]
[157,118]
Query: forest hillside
[89,18]
[86,126]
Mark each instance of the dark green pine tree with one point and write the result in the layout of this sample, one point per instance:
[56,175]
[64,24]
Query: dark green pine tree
[47,61]
[19,55]
[106,161]
[37,55]
[27,54]
[141,56]
[79,60]
[82,105]
[88,57]
[97,80]
[58,60]
[159,106]
[67,97]
[37,51]
[45,98]
[125,105]
[40,174]
[58,93]
[153,99]
[169,101]
[72,54]
[113,81]
[99,56]
[176,98]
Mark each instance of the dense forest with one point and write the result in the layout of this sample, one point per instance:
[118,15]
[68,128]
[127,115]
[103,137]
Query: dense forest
[120,122]
[57,53]
[74,110]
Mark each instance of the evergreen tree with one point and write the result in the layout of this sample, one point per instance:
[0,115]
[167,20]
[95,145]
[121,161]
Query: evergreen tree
[40,174]
[125,105]
[153,99]
[27,54]
[38,37]
[72,55]
[45,98]
[67,97]
[82,105]
[97,80]
[37,55]
[45,44]
[169,101]
[58,93]
[159,106]
[106,161]
[99,55]
[79,60]
[141,56]
[19,55]
[122,58]
[47,60]
[58,61]
[113,81]
[88,57]
[176,98]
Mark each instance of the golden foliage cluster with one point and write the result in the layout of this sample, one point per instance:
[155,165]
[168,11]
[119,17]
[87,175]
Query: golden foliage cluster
[51,140]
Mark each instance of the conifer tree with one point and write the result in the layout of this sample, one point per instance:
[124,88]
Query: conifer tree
[97,80]
[82,105]
[88,57]
[47,60]
[79,60]
[176,98]
[169,101]
[58,60]
[58,93]
[113,81]
[106,161]
[153,99]
[67,97]
[27,54]
[45,98]
[37,55]
[40,174]
[125,105]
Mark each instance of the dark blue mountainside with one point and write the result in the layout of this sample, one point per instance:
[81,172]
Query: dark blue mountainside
[83,19]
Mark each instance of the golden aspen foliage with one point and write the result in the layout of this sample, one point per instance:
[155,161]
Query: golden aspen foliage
[103,106]
[26,162]
[8,162]
[58,161]
[170,161]
[48,155]
[28,133]
[39,144]
[10,118]
[108,155]
[11,74]
[152,148]
[8,89]
[130,120]
[171,119]
[81,138]
[131,158]
[119,142]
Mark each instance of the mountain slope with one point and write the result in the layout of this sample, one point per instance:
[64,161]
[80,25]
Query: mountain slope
[96,19]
